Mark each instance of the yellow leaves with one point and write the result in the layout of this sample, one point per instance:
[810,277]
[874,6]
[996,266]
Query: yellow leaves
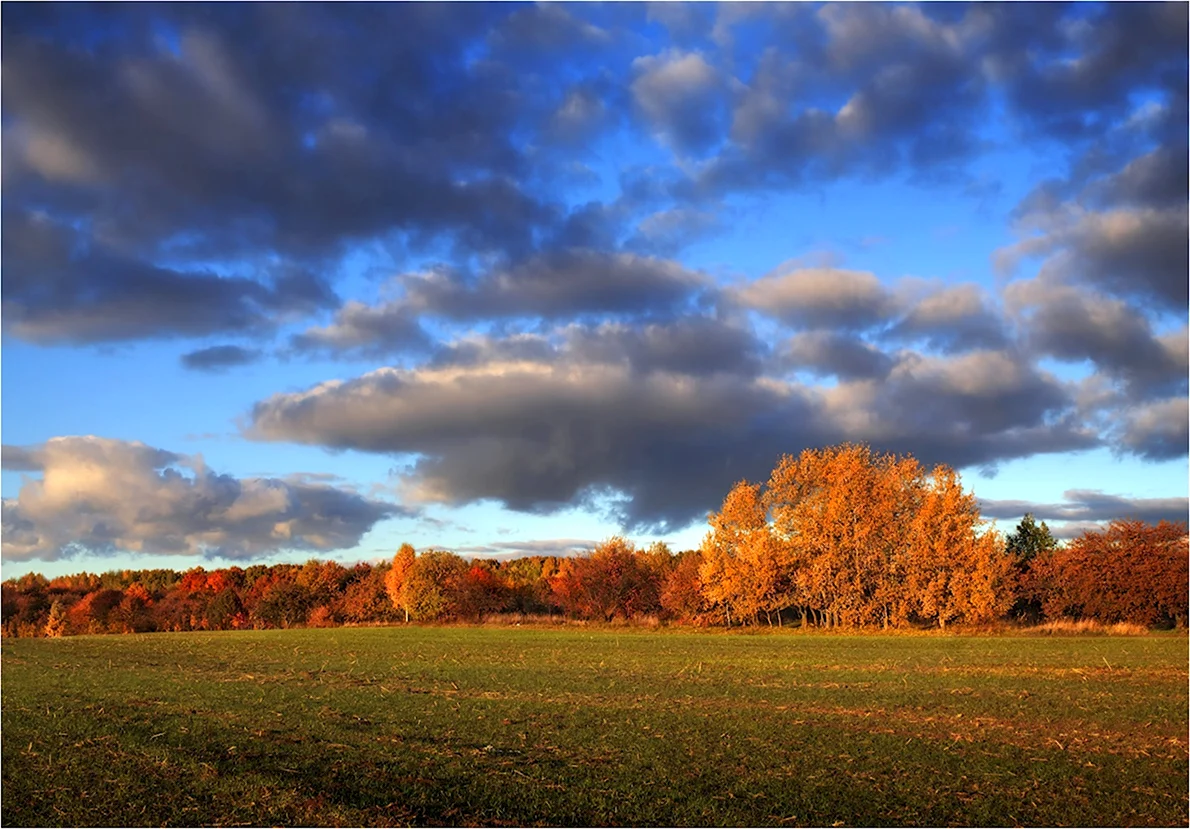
[860,536]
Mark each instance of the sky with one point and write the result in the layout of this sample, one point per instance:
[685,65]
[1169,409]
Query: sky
[284,282]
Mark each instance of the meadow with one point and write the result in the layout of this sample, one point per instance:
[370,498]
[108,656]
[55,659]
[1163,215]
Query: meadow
[591,727]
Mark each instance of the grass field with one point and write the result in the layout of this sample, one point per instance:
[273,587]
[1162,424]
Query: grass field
[384,726]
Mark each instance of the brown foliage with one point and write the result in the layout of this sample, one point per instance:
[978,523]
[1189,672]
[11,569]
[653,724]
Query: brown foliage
[1129,572]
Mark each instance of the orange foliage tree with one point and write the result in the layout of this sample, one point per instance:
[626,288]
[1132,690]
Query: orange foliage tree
[397,575]
[848,536]
[1129,572]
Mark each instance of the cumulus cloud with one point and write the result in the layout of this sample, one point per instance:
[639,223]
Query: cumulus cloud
[98,495]
[957,318]
[60,286]
[681,96]
[1074,324]
[1157,431]
[623,420]
[367,330]
[561,284]
[1133,253]
[827,354]
[821,298]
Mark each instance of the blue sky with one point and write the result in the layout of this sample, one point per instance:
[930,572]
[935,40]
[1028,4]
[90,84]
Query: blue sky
[285,282]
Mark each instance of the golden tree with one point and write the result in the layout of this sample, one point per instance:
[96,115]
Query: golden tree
[745,568]
[398,575]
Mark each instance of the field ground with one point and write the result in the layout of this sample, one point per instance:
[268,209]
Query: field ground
[384,726]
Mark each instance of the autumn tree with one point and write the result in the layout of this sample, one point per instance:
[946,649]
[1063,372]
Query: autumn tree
[482,591]
[746,569]
[282,603]
[57,625]
[132,614]
[91,613]
[613,581]
[366,599]
[951,570]
[681,593]
[432,589]
[398,575]
[1129,572]
[225,610]
[845,513]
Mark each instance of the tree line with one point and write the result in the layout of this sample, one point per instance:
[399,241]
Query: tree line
[836,537]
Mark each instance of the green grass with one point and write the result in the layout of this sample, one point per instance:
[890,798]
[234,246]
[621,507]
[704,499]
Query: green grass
[384,726]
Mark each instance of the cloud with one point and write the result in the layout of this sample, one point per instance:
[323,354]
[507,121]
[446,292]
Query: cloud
[62,287]
[219,357]
[21,459]
[390,328]
[953,319]
[624,421]
[561,284]
[827,354]
[99,495]
[1132,253]
[1089,505]
[666,232]
[536,547]
[681,97]
[820,298]
[244,136]
[1074,324]
[1069,71]
[1157,431]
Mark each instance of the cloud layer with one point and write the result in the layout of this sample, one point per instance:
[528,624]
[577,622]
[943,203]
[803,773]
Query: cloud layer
[527,180]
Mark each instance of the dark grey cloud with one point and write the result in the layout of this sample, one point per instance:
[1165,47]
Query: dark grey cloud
[1157,431]
[369,331]
[954,319]
[20,459]
[856,90]
[1090,505]
[1120,48]
[975,408]
[191,143]
[667,232]
[98,495]
[828,354]
[1155,179]
[608,417]
[62,286]
[1134,253]
[682,97]
[220,357]
[561,284]
[1073,324]
[689,345]
[243,135]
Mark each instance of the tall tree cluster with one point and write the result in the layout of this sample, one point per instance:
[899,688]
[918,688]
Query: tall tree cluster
[841,536]
[844,536]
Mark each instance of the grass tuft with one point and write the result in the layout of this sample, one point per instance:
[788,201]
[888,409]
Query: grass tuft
[1087,627]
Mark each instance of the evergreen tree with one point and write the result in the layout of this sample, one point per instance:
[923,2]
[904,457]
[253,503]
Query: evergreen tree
[1029,540]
